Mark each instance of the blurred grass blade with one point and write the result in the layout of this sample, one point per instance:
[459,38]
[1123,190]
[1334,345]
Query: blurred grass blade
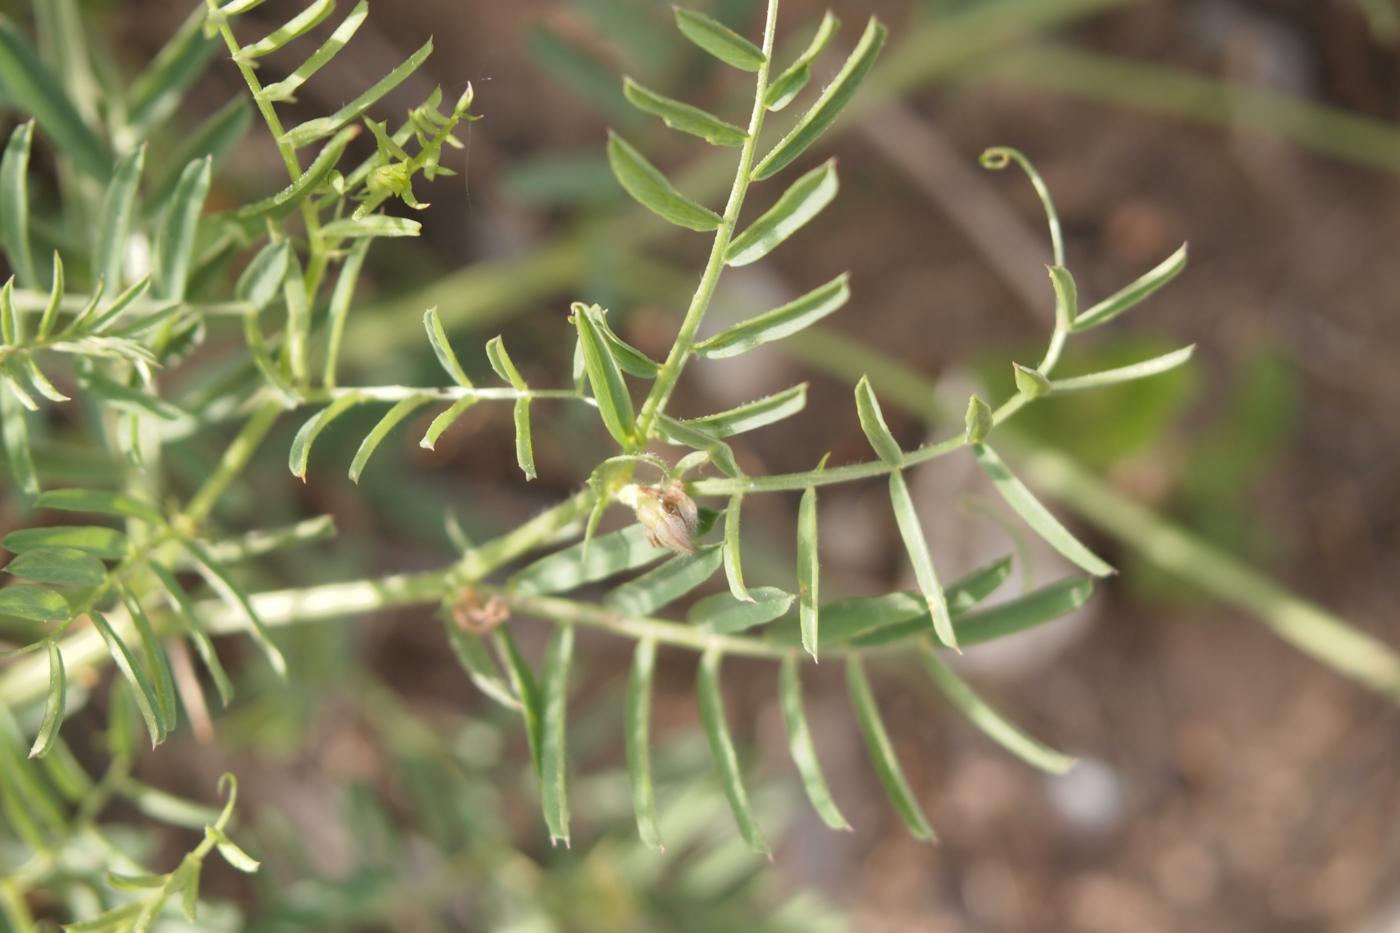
[1153,367]
[445,420]
[912,532]
[28,84]
[311,429]
[827,107]
[305,21]
[237,600]
[719,40]
[58,566]
[184,609]
[996,727]
[554,774]
[53,705]
[14,204]
[711,699]
[128,398]
[651,189]
[157,91]
[801,747]
[605,377]
[572,567]
[263,278]
[658,588]
[175,241]
[442,347]
[284,90]
[526,691]
[722,614]
[682,116]
[794,78]
[1133,294]
[114,218]
[106,543]
[802,201]
[882,754]
[321,127]
[126,663]
[779,322]
[733,560]
[637,735]
[381,430]
[753,415]
[156,663]
[872,422]
[100,502]
[1037,516]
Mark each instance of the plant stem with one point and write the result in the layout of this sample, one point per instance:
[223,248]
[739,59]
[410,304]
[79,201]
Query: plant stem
[670,371]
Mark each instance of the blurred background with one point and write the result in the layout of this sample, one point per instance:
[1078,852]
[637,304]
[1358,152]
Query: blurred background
[1228,782]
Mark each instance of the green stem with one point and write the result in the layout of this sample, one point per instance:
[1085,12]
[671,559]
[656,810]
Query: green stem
[670,371]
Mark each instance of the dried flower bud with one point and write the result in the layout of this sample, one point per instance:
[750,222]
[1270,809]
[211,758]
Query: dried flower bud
[471,614]
[666,512]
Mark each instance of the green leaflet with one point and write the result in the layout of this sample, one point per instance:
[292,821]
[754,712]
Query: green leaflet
[723,614]
[554,775]
[1143,370]
[183,608]
[51,313]
[14,204]
[801,747]
[719,40]
[802,201]
[503,365]
[1133,294]
[29,86]
[471,653]
[444,421]
[1066,295]
[10,322]
[53,705]
[524,445]
[882,754]
[442,347]
[339,310]
[574,566]
[733,560]
[978,421]
[156,663]
[59,566]
[236,599]
[287,87]
[808,570]
[632,361]
[872,422]
[1037,516]
[526,692]
[637,736]
[307,183]
[175,241]
[140,684]
[651,189]
[682,116]
[794,78]
[912,532]
[372,226]
[230,852]
[1034,608]
[41,382]
[312,130]
[778,323]
[827,107]
[114,218]
[711,700]
[658,588]
[381,430]
[605,377]
[106,543]
[265,275]
[753,415]
[14,430]
[992,723]
[682,434]
[311,429]
[33,603]
[298,25]
[128,398]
